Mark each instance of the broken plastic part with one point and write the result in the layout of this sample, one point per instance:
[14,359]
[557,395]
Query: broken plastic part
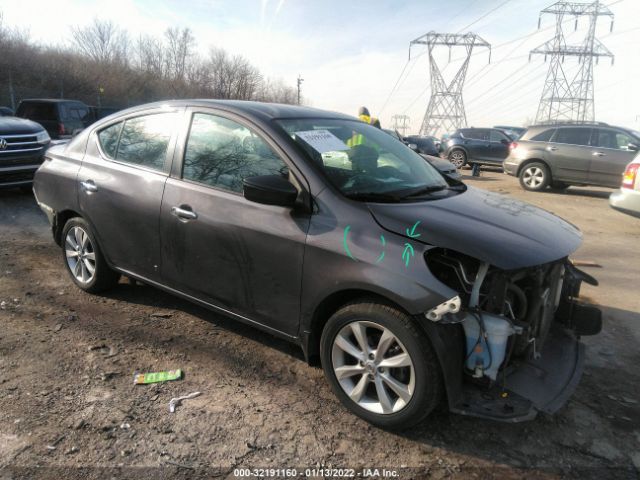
[450,306]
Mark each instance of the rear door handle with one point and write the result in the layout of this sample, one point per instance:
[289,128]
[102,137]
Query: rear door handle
[599,154]
[184,213]
[89,186]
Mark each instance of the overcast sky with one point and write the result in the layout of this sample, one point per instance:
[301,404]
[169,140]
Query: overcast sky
[351,53]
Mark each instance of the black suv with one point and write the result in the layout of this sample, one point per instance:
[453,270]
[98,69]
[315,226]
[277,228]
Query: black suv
[22,147]
[486,146]
[61,118]
[571,154]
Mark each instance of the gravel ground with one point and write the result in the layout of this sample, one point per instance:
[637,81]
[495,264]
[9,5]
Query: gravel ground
[70,409]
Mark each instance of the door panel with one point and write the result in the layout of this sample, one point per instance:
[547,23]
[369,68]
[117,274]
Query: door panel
[610,156]
[477,143]
[242,256]
[569,154]
[122,200]
[498,150]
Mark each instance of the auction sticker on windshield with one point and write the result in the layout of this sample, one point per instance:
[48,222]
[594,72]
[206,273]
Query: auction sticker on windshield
[322,140]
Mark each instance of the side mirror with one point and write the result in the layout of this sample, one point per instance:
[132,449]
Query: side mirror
[270,190]
[504,141]
[634,147]
[413,147]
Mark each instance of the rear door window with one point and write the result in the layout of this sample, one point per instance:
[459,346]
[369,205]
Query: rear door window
[145,140]
[573,136]
[108,139]
[497,136]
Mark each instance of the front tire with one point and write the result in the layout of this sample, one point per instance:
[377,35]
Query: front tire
[535,177]
[458,158]
[380,365]
[84,260]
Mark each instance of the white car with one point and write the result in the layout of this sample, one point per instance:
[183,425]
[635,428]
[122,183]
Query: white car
[627,199]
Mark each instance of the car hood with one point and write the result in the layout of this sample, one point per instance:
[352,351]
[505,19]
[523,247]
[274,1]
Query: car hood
[18,126]
[439,163]
[493,228]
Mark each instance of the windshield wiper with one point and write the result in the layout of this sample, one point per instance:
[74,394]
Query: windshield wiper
[373,196]
[415,192]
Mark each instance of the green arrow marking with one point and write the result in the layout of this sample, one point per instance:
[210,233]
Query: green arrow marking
[412,233]
[383,241]
[407,254]
[344,243]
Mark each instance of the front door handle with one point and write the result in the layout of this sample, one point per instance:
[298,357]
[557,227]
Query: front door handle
[552,149]
[89,186]
[599,154]
[184,213]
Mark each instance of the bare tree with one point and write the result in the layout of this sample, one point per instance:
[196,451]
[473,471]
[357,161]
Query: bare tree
[102,41]
[179,49]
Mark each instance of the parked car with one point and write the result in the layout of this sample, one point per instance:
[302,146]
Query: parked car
[424,145]
[513,132]
[484,146]
[627,199]
[445,167]
[406,285]
[22,147]
[6,112]
[98,113]
[61,118]
[571,154]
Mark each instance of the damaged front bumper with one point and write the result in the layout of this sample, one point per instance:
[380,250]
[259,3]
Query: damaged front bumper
[525,388]
[541,379]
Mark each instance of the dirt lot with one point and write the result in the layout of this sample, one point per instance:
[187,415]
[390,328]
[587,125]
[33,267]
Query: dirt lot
[69,408]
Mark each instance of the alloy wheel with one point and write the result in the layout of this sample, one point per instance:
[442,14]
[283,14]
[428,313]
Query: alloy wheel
[80,255]
[533,177]
[457,158]
[373,367]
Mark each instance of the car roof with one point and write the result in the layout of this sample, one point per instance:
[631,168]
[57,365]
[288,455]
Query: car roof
[267,111]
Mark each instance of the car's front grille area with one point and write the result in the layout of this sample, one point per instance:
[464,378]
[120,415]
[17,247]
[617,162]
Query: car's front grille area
[18,144]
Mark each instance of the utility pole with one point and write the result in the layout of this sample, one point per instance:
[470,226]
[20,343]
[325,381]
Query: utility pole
[445,111]
[300,80]
[401,123]
[568,97]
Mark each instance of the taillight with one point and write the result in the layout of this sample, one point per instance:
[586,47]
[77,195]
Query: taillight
[513,145]
[629,175]
[61,130]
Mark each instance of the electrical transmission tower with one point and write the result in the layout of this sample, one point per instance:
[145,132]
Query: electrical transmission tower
[401,123]
[445,111]
[568,97]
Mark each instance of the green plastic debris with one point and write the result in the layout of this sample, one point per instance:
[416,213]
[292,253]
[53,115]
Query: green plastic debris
[156,377]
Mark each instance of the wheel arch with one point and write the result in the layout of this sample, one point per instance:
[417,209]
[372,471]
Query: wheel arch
[534,160]
[60,219]
[445,339]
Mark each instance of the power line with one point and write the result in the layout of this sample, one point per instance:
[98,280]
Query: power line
[393,89]
[484,16]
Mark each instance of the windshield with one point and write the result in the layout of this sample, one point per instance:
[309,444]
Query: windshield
[363,161]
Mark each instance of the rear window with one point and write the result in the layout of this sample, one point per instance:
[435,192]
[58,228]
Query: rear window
[37,111]
[543,136]
[573,136]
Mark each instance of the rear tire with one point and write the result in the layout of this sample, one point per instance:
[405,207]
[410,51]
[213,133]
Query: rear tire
[535,176]
[458,158]
[83,258]
[389,374]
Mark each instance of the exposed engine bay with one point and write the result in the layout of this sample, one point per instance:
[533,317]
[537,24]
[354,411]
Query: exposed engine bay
[507,315]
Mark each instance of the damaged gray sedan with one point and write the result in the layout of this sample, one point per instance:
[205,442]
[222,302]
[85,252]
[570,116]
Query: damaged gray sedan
[407,286]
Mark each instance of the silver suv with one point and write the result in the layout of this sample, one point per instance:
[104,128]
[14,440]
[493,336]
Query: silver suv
[571,154]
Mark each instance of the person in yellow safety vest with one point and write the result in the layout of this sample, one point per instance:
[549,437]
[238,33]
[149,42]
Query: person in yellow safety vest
[365,116]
